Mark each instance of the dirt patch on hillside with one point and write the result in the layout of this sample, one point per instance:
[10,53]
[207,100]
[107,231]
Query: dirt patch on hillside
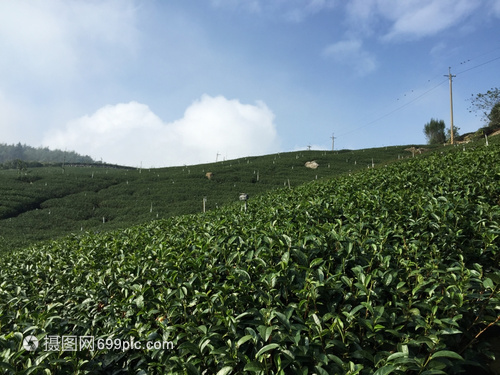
[495,133]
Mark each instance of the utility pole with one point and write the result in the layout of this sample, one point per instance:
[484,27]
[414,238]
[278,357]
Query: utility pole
[333,140]
[450,76]
[217,157]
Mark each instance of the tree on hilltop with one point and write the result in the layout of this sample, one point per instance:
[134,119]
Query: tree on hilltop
[489,106]
[456,135]
[434,132]
[26,153]
[494,116]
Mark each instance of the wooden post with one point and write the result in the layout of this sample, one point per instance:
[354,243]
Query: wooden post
[450,76]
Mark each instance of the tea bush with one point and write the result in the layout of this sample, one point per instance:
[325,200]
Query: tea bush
[390,271]
[44,203]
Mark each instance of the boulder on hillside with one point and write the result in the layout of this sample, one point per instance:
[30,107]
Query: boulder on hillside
[311,164]
[416,150]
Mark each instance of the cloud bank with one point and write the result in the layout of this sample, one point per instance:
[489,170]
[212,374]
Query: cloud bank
[351,53]
[54,40]
[131,134]
[394,21]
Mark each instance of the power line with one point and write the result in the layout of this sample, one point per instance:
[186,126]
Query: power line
[477,66]
[494,50]
[423,94]
[395,110]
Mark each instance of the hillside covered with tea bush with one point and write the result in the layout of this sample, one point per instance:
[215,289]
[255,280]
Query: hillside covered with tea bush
[49,201]
[393,270]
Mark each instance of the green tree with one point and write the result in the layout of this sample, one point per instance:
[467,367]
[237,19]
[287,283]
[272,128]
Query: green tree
[434,132]
[488,104]
[494,116]
[17,152]
[456,129]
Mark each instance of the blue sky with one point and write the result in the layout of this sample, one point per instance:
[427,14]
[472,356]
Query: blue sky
[173,82]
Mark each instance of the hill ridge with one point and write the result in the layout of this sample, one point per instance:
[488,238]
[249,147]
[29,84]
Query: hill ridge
[45,203]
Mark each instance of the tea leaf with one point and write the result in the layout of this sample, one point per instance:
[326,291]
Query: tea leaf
[265,349]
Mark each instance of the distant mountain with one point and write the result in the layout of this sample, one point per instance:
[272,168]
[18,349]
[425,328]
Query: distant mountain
[10,153]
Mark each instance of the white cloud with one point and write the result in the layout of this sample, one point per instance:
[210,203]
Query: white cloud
[130,133]
[52,41]
[410,19]
[214,124]
[361,14]
[351,53]
[248,5]
[301,9]
[496,7]
[416,19]
[291,10]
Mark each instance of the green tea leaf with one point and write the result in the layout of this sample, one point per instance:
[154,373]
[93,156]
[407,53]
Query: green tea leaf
[447,354]
[243,340]
[140,302]
[265,349]
[225,370]
[253,367]
[385,370]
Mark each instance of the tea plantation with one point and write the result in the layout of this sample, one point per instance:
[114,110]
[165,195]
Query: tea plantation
[43,203]
[393,270]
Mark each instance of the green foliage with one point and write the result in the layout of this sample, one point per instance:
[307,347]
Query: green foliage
[456,134]
[391,271]
[489,106]
[494,116]
[10,153]
[434,132]
[45,203]
[494,122]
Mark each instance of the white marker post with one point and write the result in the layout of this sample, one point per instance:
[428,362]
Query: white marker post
[244,198]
